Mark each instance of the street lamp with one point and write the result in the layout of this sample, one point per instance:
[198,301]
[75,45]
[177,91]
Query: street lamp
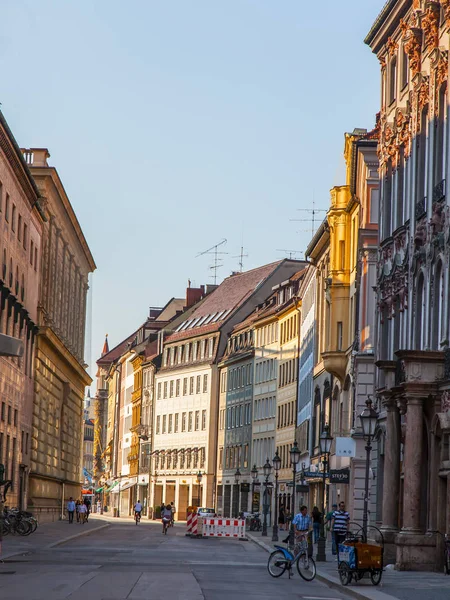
[199,480]
[294,454]
[237,477]
[276,466]
[254,474]
[369,420]
[267,469]
[325,442]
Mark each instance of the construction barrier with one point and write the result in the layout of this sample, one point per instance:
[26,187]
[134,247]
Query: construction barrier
[192,524]
[218,527]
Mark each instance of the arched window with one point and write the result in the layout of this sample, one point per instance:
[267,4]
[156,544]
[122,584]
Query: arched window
[436,315]
[420,311]
[440,141]
[392,79]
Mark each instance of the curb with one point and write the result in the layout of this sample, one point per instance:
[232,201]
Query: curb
[334,583]
[75,536]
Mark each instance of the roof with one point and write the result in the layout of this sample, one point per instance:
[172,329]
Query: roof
[105,349]
[218,306]
[379,20]
[117,351]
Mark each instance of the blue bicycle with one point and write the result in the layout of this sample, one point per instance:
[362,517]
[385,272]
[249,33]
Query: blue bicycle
[282,559]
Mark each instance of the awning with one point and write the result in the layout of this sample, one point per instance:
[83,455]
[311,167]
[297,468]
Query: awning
[98,490]
[113,485]
[124,486]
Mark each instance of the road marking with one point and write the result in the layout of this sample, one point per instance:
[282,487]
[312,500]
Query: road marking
[318,598]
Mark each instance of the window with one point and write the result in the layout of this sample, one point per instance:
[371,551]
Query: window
[177,388]
[7,208]
[185,386]
[405,68]
[191,385]
[203,420]
[190,421]
[9,415]
[165,389]
[392,79]
[31,252]
[170,424]
[3,411]
[220,458]
[159,390]
[171,389]
[15,417]
[183,422]
[197,420]
[25,236]
[210,347]
[164,423]
[19,229]
[35,259]
[158,424]
[13,220]
[374,202]
[175,428]
[1,210]
[198,384]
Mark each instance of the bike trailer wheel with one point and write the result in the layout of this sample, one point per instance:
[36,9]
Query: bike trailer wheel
[375,576]
[306,567]
[344,573]
[277,563]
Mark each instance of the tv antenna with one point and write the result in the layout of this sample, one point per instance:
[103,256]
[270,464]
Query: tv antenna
[291,253]
[313,212]
[217,261]
[241,257]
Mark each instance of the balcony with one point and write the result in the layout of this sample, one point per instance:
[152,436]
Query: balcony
[335,362]
[439,192]
[421,208]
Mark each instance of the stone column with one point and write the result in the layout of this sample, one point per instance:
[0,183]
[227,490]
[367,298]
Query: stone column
[391,481]
[413,466]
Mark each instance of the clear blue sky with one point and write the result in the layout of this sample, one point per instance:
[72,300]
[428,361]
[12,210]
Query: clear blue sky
[175,123]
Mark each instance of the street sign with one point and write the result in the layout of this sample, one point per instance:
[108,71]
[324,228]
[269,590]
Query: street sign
[315,474]
[340,476]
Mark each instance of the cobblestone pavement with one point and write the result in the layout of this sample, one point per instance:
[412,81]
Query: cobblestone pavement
[125,561]
[403,585]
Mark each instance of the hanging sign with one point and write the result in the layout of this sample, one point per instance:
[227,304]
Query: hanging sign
[345,446]
[340,476]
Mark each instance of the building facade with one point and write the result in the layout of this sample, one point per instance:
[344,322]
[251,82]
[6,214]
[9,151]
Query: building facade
[21,223]
[63,262]
[411,41]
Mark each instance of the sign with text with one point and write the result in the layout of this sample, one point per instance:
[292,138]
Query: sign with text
[345,446]
[255,502]
[245,487]
[340,476]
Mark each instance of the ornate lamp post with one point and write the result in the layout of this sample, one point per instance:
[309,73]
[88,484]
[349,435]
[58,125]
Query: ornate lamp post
[276,467]
[199,480]
[369,420]
[294,454]
[267,471]
[237,477]
[325,442]
[254,473]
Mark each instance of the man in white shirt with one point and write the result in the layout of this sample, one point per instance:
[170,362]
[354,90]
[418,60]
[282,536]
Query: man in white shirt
[71,509]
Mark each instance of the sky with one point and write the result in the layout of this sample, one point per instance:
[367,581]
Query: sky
[176,124]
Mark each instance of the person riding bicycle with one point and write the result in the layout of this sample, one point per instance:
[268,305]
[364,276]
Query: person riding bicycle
[166,517]
[138,509]
[302,523]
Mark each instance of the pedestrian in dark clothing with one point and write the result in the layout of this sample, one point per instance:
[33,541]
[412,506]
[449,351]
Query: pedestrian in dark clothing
[77,509]
[282,518]
[317,520]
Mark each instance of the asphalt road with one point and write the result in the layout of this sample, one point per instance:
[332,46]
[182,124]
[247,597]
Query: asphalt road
[126,561]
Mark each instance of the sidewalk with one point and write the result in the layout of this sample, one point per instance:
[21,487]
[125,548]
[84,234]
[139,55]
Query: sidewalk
[402,585]
[47,536]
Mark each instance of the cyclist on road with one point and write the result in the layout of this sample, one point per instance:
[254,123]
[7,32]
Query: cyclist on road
[138,509]
[302,523]
[166,517]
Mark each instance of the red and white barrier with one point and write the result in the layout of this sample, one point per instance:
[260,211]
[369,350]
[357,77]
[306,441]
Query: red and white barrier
[233,528]
[189,524]
[192,524]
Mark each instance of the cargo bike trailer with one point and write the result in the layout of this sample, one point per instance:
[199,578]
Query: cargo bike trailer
[361,555]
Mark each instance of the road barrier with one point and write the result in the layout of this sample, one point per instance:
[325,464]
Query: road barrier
[217,527]
[192,524]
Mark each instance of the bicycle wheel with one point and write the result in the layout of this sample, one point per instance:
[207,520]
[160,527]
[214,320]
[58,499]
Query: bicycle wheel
[5,527]
[375,576]
[277,563]
[344,573]
[306,567]
[29,527]
[447,562]
[23,528]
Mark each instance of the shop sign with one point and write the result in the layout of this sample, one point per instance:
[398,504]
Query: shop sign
[255,502]
[340,476]
[345,446]
[245,487]
[303,489]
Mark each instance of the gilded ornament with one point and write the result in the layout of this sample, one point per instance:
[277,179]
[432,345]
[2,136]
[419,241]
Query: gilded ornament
[446,9]
[392,46]
[442,69]
[382,60]
[424,92]
[404,27]
[430,25]
[413,47]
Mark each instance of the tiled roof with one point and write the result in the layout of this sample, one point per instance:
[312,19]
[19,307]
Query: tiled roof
[220,304]
[117,351]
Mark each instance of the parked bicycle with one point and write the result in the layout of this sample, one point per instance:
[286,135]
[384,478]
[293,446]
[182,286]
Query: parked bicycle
[255,523]
[283,559]
[18,522]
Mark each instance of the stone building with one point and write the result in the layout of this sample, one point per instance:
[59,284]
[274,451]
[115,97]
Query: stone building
[21,222]
[411,41]
[60,371]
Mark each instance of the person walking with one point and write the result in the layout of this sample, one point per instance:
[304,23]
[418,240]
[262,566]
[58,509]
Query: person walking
[172,506]
[340,524]
[77,509]
[82,511]
[70,509]
[281,518]
[87,504]
[328,519]
[317,520]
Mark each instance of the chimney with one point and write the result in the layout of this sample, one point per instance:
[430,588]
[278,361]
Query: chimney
[36,157]
[193,295]
[210,287]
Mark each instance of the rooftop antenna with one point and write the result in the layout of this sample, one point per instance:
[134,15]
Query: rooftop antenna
[291,253]
[314,215]
[214,250]
[241,257]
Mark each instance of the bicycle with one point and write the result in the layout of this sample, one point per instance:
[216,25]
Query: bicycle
[446,540]
[282,559]
[166,525]
[137,516]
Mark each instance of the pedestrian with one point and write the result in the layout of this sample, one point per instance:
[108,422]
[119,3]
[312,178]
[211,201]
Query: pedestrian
[172,506]
[70,509]
[328,519]
[82,511]
[281,518]
[339,524]
[87,504]
[316,519]
[99,507]
[77,509]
